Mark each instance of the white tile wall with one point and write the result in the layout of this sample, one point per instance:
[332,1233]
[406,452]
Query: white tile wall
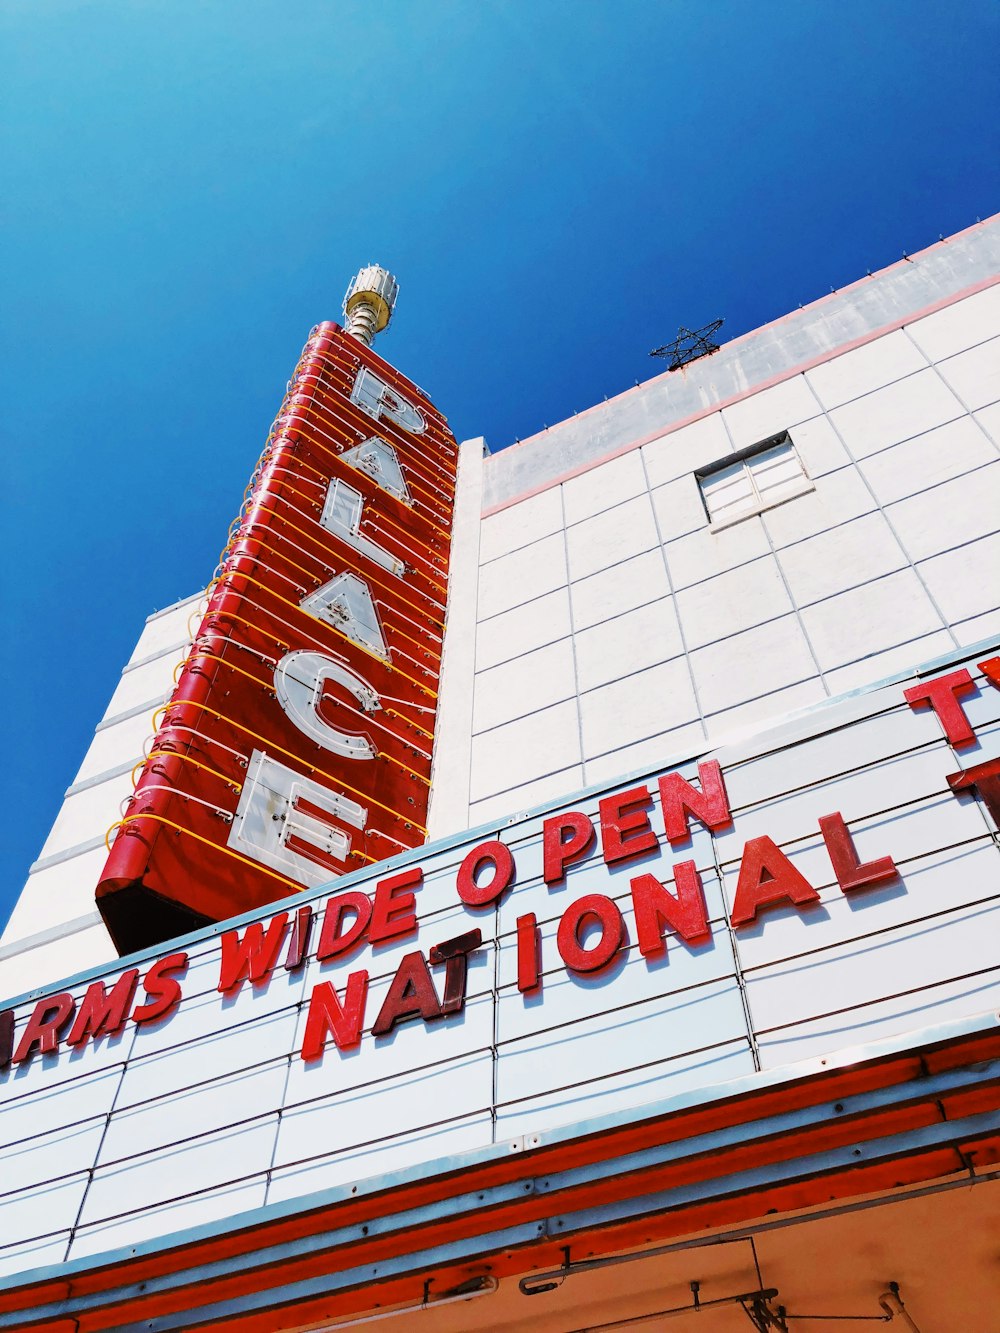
[867,368]
[978,628]
[758,712]
[757,662]
[170,626]
[528,572]
[975,375]
[544,677]
[523,629]
[604,487]
[520,751]
[954,512]
[895,413]
[841,557]
[958,326]
[927,460]
[819,446]
[729,603]
[610,537]
[684,740]
[678,507]
[988,420]
[683,450]
[965,579]
[770,411]
[876,666]
[520,525]
[895,609]
[627,643]
[658,699]
[842,496]
[704,554]
[621,588]
[526,795]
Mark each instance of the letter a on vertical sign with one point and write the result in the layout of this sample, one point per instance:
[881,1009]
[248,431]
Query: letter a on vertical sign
[277,765]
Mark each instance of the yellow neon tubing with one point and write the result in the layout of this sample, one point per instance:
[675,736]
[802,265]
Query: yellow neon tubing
[242,620]
[295,607]
[423,504]
[223,661]
[273,745]
[173,754]
[268,634]
[347,368]
[427,649]
[368,718]
[432,558]
[219,847]
[391,712]
[270,530]
[330,418]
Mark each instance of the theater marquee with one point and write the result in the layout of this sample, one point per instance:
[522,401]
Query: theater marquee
[593,890]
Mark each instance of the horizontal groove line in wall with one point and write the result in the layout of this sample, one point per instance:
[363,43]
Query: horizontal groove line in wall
[757,970]
[155,657]
[868,1004]
[57,858]
[146,707]
[51,935]
[743,1041]
[108,775]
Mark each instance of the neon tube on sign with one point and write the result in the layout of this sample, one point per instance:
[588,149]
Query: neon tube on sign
[297,744]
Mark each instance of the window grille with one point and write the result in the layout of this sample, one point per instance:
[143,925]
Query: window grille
[747,483]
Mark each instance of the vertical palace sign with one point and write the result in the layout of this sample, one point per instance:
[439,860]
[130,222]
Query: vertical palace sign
[296,746]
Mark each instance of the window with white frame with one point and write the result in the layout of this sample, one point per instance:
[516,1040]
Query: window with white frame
[755,479]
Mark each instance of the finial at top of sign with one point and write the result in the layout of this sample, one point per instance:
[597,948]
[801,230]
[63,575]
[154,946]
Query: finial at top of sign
[368,304]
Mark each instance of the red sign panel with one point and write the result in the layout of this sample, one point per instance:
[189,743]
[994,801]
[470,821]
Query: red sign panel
[296,746]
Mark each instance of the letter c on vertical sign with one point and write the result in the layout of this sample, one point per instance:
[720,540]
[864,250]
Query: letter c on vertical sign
[298,682]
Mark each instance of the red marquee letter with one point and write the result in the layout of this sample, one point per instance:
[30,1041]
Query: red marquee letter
[942,695]
[455,956]
[572,952]
[981,778]
[679,799]
[850,872]
[529,974]
[163,990]
[411,995]
[329,1017]
[625,814]
[559,852]
[45,1026]
[655,906]
[767,876]
[6,1037]
[393,913]
[253,955]
[298,941]
[497,854]
[333,938]
[101,1014]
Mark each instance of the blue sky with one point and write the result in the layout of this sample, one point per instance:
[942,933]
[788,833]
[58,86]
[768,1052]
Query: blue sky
[558,184]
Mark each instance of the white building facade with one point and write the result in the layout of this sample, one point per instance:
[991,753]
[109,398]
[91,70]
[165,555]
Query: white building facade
[742,623]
